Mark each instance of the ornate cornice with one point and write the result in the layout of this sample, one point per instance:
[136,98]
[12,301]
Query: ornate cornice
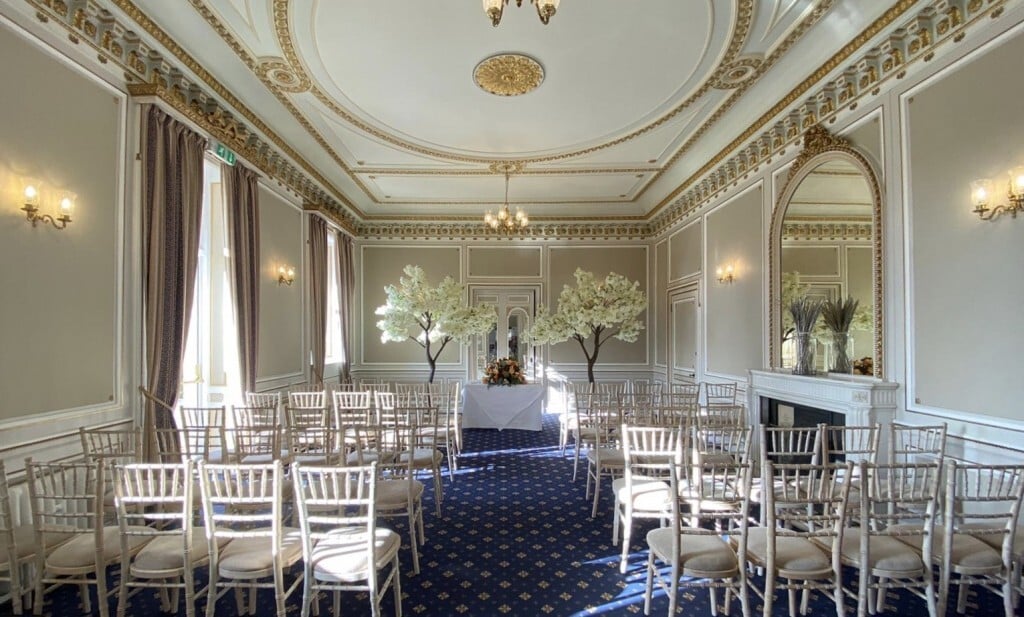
[914,41]
[476,230]
[827,230]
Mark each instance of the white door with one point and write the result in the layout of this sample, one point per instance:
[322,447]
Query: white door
[516,307]
[683,329]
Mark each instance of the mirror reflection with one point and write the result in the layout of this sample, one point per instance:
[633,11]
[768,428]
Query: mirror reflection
[827,253]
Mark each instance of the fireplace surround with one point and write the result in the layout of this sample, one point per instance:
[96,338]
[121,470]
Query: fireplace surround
[860,400]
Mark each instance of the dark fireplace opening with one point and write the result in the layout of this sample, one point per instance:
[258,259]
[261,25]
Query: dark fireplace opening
[783,413]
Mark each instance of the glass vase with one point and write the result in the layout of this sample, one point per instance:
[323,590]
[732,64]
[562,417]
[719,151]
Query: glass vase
[805,346]
[841,349]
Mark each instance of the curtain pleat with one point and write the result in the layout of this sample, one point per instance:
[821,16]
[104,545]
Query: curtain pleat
[172,204]
[241,195]
[318,295]
[346,296]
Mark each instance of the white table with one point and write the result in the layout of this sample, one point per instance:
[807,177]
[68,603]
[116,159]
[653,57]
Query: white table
[503,407]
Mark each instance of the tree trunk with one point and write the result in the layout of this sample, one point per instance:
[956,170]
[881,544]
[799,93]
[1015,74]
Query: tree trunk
[433,367]
[590,368]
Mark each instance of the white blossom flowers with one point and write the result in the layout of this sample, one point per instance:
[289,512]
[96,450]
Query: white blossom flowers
[431,316]
[593,312]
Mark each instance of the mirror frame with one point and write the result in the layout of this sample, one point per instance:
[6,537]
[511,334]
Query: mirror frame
[819,146]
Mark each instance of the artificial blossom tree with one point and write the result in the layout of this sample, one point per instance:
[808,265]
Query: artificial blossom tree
[591,313]
[431,316]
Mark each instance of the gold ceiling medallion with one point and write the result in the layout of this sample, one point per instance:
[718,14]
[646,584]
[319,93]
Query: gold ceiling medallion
[737,72]
[508,74]
[281,74]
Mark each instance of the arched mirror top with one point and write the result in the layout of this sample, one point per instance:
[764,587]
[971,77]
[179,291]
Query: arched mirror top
[826,241]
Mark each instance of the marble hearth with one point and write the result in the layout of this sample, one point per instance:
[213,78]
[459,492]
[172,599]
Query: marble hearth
[862,400]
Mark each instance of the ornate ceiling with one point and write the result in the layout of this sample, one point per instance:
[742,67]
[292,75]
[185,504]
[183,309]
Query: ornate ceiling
[639,112]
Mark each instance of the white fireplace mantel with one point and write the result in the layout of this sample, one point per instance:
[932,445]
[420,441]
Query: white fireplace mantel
[864,400]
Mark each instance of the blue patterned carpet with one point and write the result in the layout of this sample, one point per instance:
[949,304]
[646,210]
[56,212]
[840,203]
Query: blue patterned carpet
[516,538]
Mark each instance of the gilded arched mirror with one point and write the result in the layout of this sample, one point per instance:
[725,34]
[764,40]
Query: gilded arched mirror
[826,242]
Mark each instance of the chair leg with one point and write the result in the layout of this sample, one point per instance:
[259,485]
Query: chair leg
[627,537]
[307,590]
[648,587]
[413,544]
[673,587]
[769,591]
[961,599]
[396,586]
[597,491]
[713,597]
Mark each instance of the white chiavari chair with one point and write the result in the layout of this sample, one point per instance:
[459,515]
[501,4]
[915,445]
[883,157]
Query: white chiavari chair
[784,444]
[343,548]
[115,447]
[567,420]
[651,453]
[18,551]
[266,400]
[716,394]
[255,415]
[711,554]
[605,456]
[155,505]
[910,443]
[800,546]
[242,506]
[67,502]
[399,493]
[213,447]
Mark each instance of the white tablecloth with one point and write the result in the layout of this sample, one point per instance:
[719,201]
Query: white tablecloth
[503,407]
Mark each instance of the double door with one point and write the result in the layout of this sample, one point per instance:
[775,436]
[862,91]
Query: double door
[516,307]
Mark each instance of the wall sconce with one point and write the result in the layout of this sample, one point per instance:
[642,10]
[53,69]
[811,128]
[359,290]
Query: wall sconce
[981,195]
[285,275]
[32,193]
[727,275]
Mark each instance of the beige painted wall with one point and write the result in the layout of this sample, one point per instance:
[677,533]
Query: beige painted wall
[733,313]
[485,261]
[59,312]
[280,329]
[967,290]
[659,303]
[685,252]
[629,261]
[382,265]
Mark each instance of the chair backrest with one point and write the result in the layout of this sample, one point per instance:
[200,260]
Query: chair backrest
[300,417]
[808,500]
[313,445]
[652,451]
[721,443]
[155,499]
[639,408]
[719,393]
[899,499]
[308,400]
[611,387]
[351,407]
[114,445]
[198,443]
[680,406]
[854,443]
[912,444]
[242,501]
[410,388]
[263,399]
[333,501]
[688,389]
[255,415]
[66,498]
[189,417]
[790,444]
[984,500]
[722,415]
[8,550]
[255,444]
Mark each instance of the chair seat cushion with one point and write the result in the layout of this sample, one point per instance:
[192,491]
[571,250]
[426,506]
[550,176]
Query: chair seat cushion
[703,555]
[610,457]
[793,555]
[343,557]
[422,456]
[80,551]
[884,553]
[167,553]
[244,556]
[25,542]
[967,551]
[645,494]
[392,494]
[995,540]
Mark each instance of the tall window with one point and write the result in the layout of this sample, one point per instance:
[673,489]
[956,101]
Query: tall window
[210,369]
[334,352]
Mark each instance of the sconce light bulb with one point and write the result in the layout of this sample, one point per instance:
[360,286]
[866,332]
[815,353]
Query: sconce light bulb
[729,269]
[31,193]
[981,192]
[67,205]
[1017,181]
[718,272]
[291,272]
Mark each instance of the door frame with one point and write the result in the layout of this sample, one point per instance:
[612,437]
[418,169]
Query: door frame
[684,294]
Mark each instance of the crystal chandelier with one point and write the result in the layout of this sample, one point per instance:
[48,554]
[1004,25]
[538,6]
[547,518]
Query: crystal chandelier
[545,9]
[504,221]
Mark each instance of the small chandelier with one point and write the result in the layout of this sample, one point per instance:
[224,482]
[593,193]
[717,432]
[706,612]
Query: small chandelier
[545,9]
[504,221]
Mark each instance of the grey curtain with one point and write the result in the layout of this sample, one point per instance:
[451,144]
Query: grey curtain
[172,204]
[346,297]
[318,294]
[241,196]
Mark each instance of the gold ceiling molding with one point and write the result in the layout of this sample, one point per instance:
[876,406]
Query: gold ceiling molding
[479,231]
[935,23]
[492,169]
[508,74]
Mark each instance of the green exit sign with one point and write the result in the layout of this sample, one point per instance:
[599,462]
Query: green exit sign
[225,154]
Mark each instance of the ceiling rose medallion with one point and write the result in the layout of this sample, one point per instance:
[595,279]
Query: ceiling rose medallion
[508,74]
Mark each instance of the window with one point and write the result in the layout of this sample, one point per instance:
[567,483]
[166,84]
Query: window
[332,346]
[209,374]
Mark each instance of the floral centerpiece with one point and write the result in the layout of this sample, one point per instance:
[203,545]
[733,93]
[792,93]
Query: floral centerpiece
[503,372]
